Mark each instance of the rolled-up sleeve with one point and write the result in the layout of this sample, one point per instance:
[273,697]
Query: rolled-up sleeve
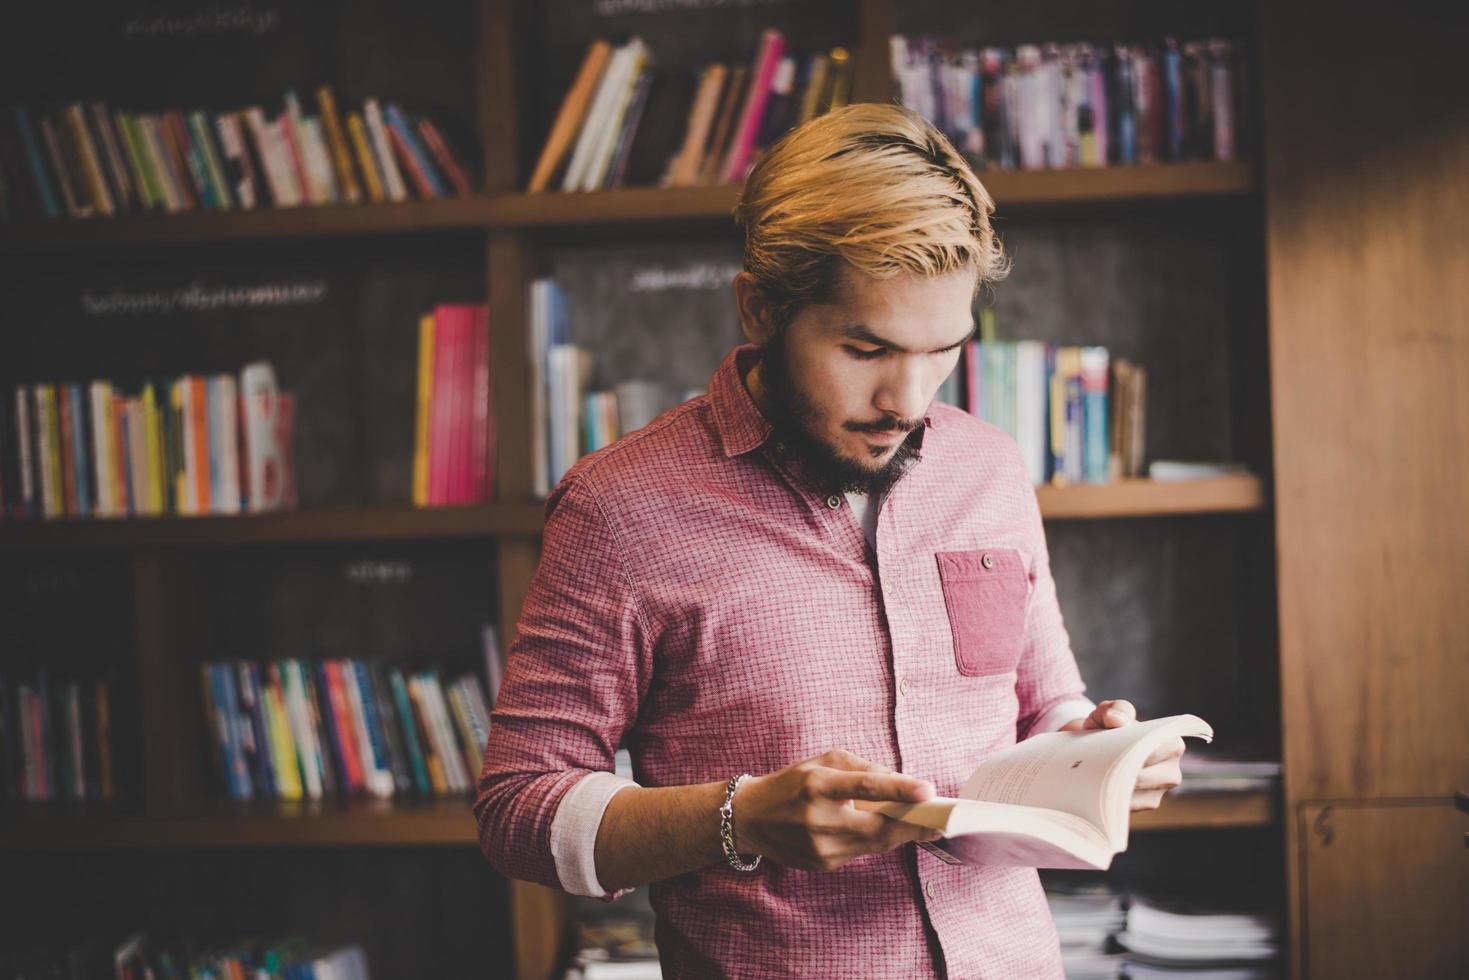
[1048,684]
[574,678]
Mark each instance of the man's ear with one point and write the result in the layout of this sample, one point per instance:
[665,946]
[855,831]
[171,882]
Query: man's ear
[756,321]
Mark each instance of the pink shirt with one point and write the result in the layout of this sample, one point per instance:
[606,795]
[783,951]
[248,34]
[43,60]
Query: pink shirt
[697,602]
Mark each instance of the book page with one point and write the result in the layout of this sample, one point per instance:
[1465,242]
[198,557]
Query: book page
[1067,770]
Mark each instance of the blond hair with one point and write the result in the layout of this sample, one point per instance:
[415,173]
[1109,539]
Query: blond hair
[875,187]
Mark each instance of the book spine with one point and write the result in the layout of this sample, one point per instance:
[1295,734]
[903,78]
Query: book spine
[369,166]
[341,158]
[185,160]
[249,684]
[329,728]
[46,453]
[596,117]
[346,730]
[210,158]
[383,151]
[66,179]
[384,784]
[606,143]
[742,145]
[81,449]
[85,151]
[439,414]
[482,425]
[288,765]
[293,139]
[387,720]
[443,154]
[203,461]
[438,764]
[72,503]
[25,452]
[37,163]
[571,116]
[453,757]
[410,733]
[415,160]
[422,413]
[234,161]
[240,771]
[113,153]
[319,163]
[227,448]
[169,179]
[149,195]
[1094,408]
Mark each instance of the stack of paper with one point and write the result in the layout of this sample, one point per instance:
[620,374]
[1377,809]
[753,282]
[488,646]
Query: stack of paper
[1229,946]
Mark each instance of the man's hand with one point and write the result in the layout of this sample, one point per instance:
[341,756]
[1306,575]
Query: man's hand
[803,817]
[1161,771]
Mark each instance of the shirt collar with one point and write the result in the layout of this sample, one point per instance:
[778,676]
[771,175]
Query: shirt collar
[741,426]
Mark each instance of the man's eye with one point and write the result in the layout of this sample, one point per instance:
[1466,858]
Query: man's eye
[865,355]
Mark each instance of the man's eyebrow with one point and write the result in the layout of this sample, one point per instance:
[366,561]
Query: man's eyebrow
[857,331]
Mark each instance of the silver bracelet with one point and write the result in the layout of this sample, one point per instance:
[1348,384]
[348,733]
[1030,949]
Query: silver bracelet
[726,827]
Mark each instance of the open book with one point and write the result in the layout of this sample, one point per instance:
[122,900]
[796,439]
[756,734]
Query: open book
[1057,800]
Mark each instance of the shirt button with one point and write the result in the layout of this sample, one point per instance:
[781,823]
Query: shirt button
[988,561]
[903,686]
[930,889]
[833,501]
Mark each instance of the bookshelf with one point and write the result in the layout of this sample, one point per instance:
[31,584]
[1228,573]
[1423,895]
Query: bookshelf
[437,823]
[634,205]
[508,232]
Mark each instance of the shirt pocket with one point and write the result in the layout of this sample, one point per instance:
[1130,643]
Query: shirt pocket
[985,592]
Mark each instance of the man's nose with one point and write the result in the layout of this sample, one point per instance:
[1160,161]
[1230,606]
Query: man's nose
[905,391]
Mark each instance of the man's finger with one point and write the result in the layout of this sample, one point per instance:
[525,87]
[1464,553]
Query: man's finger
[842,759]
[883,833]
[1171,749]
[879,787]
[1159,777]
[1113,714]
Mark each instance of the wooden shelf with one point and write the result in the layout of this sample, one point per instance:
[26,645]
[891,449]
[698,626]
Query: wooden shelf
[228,824]
[625,206]
[292,527]
[1127,498]
[1207,811]
[1152,498]
[448,822]
[300,222]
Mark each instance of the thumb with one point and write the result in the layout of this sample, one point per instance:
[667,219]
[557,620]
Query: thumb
[1112,714]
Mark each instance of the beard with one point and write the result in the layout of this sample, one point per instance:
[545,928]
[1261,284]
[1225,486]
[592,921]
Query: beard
[794,420]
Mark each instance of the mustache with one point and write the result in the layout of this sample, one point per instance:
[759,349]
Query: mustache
[885,425]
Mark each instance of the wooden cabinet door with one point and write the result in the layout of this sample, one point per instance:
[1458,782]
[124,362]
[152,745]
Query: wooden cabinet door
[1385,890]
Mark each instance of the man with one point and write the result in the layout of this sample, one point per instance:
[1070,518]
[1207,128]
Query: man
[766,580]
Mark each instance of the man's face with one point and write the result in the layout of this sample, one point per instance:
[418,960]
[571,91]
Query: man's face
[846,382]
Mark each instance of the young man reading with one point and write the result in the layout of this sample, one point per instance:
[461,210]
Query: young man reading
[813,574]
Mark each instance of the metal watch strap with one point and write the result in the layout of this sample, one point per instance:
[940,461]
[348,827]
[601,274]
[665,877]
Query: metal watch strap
[726,827]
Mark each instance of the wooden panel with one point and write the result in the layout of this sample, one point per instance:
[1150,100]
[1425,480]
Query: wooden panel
[496,92]
[1368,229]
[1385,890]
[1141,497]
[168,679]
[508,276]
[541,938]
[295,527]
